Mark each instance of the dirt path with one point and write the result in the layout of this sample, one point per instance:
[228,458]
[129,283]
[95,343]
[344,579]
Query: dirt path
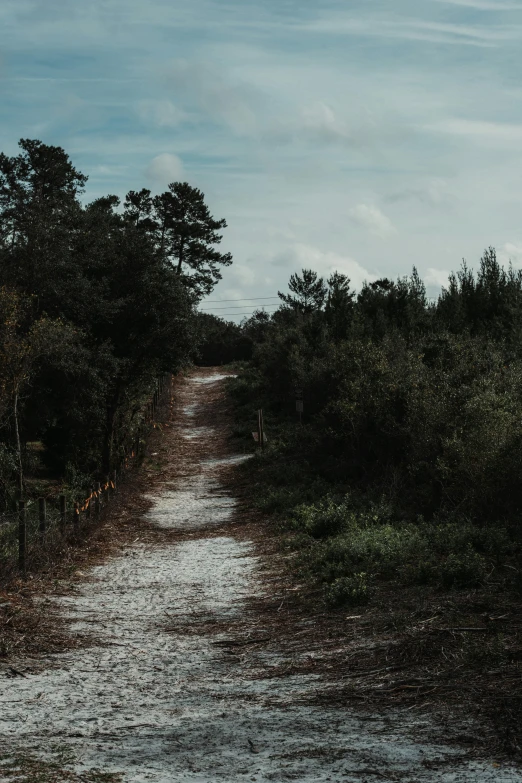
[178,684]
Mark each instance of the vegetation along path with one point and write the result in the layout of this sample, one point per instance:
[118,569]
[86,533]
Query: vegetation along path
[181,678]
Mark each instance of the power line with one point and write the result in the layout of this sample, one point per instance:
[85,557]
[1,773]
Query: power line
[248,312]
[244,299]
[233,315]
[241,307]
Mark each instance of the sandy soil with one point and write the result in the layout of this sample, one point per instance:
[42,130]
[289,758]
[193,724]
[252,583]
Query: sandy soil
[177,685]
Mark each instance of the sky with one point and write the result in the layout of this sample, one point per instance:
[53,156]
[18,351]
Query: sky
[354,135]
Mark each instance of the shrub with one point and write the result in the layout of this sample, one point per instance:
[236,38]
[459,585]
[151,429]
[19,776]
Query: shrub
[338,542]
[462,569]
[348,591]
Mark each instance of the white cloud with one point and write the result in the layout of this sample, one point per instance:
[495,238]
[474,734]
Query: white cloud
[320,121]
[436,278]
[435,193]
[300,256]
[230,102]
[372,219]
[162,113]
[165,168]
[280,233]
[492,132]
[511,253]
[242,274]
[412,29]
[483,5]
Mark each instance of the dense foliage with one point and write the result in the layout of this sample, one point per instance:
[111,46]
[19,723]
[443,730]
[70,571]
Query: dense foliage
[410,453]
[221,342]
[95,302]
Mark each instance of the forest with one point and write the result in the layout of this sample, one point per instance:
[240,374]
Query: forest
[407,463]
[97,300]
[407,458]
[391,474]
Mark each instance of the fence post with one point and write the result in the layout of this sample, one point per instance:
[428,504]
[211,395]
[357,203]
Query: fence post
[63,512]
[97,504]
[22,535]
[42,516]
[112,484]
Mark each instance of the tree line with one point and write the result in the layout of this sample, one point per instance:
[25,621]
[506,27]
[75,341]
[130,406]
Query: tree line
[96,300]
[417,401]
[406,464]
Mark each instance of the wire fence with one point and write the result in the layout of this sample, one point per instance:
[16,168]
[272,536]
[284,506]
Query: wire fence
[40,531]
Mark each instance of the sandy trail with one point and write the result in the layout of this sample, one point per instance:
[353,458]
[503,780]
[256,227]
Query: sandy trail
[166,695]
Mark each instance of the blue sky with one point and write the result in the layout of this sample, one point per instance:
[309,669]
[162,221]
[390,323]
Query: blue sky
[362,135]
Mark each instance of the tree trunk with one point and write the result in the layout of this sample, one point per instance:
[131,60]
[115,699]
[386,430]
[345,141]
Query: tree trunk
[110,421]
[180,260]
[18,447]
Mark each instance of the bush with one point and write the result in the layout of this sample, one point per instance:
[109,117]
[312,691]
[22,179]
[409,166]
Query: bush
[413,408]
[462,569]
[338,542]
[348,591]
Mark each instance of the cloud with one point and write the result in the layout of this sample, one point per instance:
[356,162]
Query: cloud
[434,193]
[242,274]
[372,219]
[230,102]
[436,278]
[162,113]
[164,169]
[320,121]
[480,130]
[483,5]
[511,253]
[362,105]
[411,29]
[301,256]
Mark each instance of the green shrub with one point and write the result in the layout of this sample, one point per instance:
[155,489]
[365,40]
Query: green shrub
[462,569]
[348,591]
[323,520]
[337,542]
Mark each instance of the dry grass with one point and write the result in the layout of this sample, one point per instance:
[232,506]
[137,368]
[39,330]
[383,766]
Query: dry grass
[27,768]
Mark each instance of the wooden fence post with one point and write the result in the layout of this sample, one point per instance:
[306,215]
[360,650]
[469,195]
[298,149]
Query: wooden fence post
[97,504]
[22,535]
[260,429]
[63,512]
[42,516]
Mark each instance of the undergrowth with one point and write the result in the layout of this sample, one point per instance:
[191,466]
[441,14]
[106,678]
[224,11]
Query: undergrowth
[350,539]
